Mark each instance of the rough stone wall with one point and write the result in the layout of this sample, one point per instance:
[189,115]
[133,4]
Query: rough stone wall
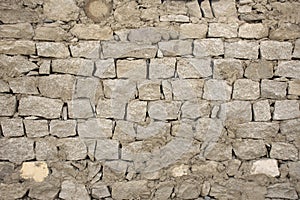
[147,99]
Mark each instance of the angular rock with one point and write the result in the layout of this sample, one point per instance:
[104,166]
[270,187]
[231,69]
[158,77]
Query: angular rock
[284,151]
[223,30]
[124,131]
[24,85]
[13,191]
[226,8]
[47,190]
[146,35]
[162,68]
[289,69]
[127,49]
[16,65]
[164,190]
[257,130]
[92,32]
[268,167]
[261,110]
[218,152]
[291,129]
[286,109]
[100,191]
[121,90]
[208,47]
[236,111]
[195,109]
[40,106]
[228,69]
[36,128]
[80,108]
[274,50]
[73,190]
[90,88]
[259,70]
[149,90]
[111,108]
[22,47]
[190,30]
[62,129]
[296,52]
[294,87]
[4,86]
[255,31]
[76,66]
[86,49]
[52,49]
[285,31]
[194,68]
[216,90]
[136,111]
[273,89]
[249,149]
[64,12]
[282,190]
[188,190]
[175,47]
[132,69]
[8,105]
[46,149]
[36,170]
[18,31]
[107,149]
[154,129]
[95,128]
[12,127]
[130,190]
[51,33]
[162,110]
[245,89]
[105,68]
[187,89]
[18,15]
[294,170]
[242,49]
[72,149]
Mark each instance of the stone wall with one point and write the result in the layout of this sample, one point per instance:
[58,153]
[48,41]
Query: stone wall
[149,99]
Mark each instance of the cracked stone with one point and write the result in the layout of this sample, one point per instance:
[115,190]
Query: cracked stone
[268,167]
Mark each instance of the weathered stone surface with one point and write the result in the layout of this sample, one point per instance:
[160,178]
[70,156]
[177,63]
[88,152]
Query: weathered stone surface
[228,69]
[136,111]
[130,189]
[90,88]
[36,128]
[95,128]
[257,130]
[4,86]
[51,33]
[207,168]
[187,89]
[12,127]
[86,49]
[226,8]
[121,90]
[64,12]
[192,31]
[57,86]
[188,190]
[16,150]
[72,190]
[249,149]
[61,128]
[132,69]
[242,49]
[7,105]
[294,170]
[273,89]
[236,111]
[268,167]
[52,49]
[40,106]
[296,52]
[183,129]
[154,129]
[76,66]
[291,129]
[195,109]
[19,190]
[223,30]
[107,149]
[261,110]
[194,68]
[208,47]
[164,190]
[127,49]
[285,31]
[259,70]
[218,152]
[80,108]
[175,47]
[149,90]
[22,47]
[46,149]
[92,32]
[284,151]
[146,35]
[47,190]
[274,50]
[286,109]
[245,89]
[24,85]
[216,90]
[111,108]
[294,87]
[288,69]
[174,18]
[162,68]
[100,191]
[282,190]
[72,149]
[18,15]
[19,31]
[98,10]
[37,171]
[255,31]
[124,131]
[163,110]
[105,68]
[128,14]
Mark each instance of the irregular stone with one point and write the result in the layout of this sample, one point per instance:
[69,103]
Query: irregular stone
[162,110]
[228,69]
[4,86]
[236,111]
[274,50]
[174,18]
[121,90]
[66,12]
[37,171]
[136,111]
[86,49]
[52,49]
[40,106]
[124,131]
[111,108]
[294,87]
[105,68]
[216,90]
[19,31]
[286,109]
[73,190]
[127,49]
[193,31]
[259,70]
[130,190]
[257,130]
[13,190]
[72,149]
[282,190]
[100,191]
[188,190]
[149,90]
[194,68]
[98,10]
[90,88]
[24,85]
[208,47]
[294,170]
[245,89]
[61,128]
[128,14]
[80,108]
[223,30]
[227,8]
[47,190]
[22,47]
[162,68]
[146,35]
[273,89]
[195,109]
[76,66]
[164,190]
[180,170]
[268,167]
[291,129]
[107,149]
[249,149]
[242,49]
[132,69]
[95,128]
[218,152]
[8,105]
[187,89]
[285,31]
[289,69]
[51,33]
[18,15]
[262,110]
[12,127]
[16,150]
[284,151]
[6,171]
[154,129]
[255,31]
[296,52]
[208,130]
[46,149]
[92,32]
[167,90]
[207,168]
[175,48]
[36,128]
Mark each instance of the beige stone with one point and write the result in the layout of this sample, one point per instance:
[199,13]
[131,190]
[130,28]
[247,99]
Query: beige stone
[73,190]
[136,111]
[95,128]
[242,49]
[174,18]
[195,109]
[7,105]
[296,52]
[162,110]
[149,90]
[256,31]
[130,190]
[162,68]
[86,49]
[180,170]
[284,151]
[12,127]
[15,65]
[51,49]
[37,171]
[175,47]
[223,30]
[249,149]
[286,109]
[22,47]
[289,69]
[208,47]
[19,31]
[256,130]
[225,8]
[273,89]
[36,128]
[105,68]
[64,12]
[146,35]
[228,69]
[98,10]
[192,31]
[216,90]
[259,70]
[4,86]
[24,85]
[187,89]
[268,167]
[51,33]
[80,108]
[75,66]
[245,89]
[194,68]
[294,87]
[285,31]
[132,69]
[18,15]
[236,112]
[261,110]
[92,32]
[275,50]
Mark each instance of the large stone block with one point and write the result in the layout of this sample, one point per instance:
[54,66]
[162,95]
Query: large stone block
[284,151]
[216,90]
[86,49]
[13,66]
[73,190]
[105,68]
[273,89]
[130,190]
[192,31]
[242,49]
[24,85]
[80,108]
[65,12]
[223,30]
[36,128]
[51,33]
[95,128]
[63,128]
[262,110]
[136,111]
[194,68]
[256,130]
[12,127]
[72,148]
[208,47]
[175,47]
[19,31]
[282,190]
[21,47]
[286,109]
[52,49]
[261,69]
[289,69]
[274,50]
[162,68]
[107,150]
[92,32]
[249,149]
[149,90]
[294,87]
[187,89]
[162,110]
[76,66]
[236,112]
[268,167]
[228,69]
[256,31]
[8,105]
[245,89]
[132,69]
[18,15]
[146,35]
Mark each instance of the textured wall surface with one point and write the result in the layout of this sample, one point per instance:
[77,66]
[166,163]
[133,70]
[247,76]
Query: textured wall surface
[149,99]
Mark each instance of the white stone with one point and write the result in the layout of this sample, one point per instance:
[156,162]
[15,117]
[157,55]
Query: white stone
[256,31]
[162,110]
[192,31]
[289,69]
[136,111]
[176,47]
[80,108]
[65,12]
[195,109]
[223,30]
[187,89]
[268,167]
[107,149]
